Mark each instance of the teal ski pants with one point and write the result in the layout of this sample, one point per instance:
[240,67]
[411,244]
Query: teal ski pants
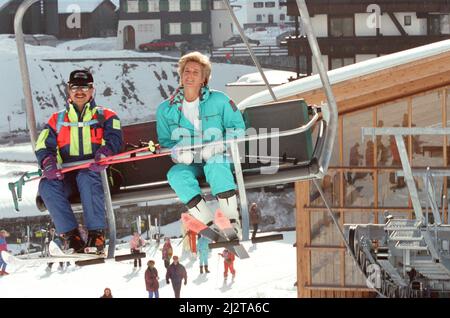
[183,178]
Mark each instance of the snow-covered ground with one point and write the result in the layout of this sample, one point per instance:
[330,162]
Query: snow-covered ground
[270,272]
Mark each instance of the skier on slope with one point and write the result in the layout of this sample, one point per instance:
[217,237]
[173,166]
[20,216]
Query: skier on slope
[136,244]
[167,252]
[82,131]
[196,114]
[3,247]
[228,262]
[203,252]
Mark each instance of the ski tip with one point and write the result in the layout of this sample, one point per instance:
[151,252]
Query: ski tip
[219,213]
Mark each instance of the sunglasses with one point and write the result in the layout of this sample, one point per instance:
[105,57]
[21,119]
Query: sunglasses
[84,89]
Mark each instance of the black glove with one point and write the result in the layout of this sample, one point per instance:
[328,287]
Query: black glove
[185,282]
[167,281]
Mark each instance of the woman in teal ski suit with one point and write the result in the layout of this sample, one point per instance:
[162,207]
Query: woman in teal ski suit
[196,114]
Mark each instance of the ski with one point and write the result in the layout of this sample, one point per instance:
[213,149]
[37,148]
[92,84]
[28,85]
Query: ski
[79,258]
[37,261]
[214,235]
[225,226]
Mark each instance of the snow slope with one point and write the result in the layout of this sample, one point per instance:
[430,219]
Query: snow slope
[270,272]
[132,83]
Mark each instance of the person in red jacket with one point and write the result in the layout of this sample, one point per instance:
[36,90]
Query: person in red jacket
[228,262]
[151,280]
[3,247]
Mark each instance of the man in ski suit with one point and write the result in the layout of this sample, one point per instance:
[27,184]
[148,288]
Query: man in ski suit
[82,131]
[176,273]
[3,247]
[196,114]
[203,252]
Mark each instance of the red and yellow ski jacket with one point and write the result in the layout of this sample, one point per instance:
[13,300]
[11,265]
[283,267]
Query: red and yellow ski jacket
[72,136]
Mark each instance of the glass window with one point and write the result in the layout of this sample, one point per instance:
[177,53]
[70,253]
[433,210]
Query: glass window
[325,268]
[282,17]
[341,26]
[196,5]
[354,151]
[427,112]
[323,229]
[390,115]
[196,28]
[153,5]
[258,5]
[337,62]
[174,5]
[174,28]
[407,21]
[133,6]
[270,4]
[434,24]
[392,190]
[219,5]
[353,276]
[259,17]
[330,187]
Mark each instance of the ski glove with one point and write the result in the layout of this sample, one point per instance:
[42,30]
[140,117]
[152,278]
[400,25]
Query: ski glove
[167,281]
[50,169]
[182,156]
[102,152]
[211,150]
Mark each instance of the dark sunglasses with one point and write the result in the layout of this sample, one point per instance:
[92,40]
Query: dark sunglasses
[84,89]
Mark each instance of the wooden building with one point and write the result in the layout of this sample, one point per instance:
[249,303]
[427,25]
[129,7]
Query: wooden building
[87,19]
[351,31]
[405,89]
[41,18]
[141,21]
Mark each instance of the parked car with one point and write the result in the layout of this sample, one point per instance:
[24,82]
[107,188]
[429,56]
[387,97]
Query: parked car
[158,45]
[196,44]
[236,39]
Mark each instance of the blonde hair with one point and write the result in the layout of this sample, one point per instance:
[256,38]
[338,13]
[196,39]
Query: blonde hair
[199,58]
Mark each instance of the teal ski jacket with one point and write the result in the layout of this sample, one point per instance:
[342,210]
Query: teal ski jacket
[220,120]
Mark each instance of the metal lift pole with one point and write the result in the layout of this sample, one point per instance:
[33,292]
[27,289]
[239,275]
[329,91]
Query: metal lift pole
[25,73]
[109,215]
[31,119]
[332,114]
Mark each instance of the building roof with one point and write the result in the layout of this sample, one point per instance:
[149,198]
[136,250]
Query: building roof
[85,6]
[274,77]
[373,81]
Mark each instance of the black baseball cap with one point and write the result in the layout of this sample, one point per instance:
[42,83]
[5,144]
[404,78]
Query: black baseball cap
[81,78]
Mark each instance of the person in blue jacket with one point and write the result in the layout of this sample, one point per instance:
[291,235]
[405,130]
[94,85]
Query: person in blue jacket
[196,114]
[203,252]
[81,131]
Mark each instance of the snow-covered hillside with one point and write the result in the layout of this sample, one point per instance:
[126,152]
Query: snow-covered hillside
[132,83]
[270,272]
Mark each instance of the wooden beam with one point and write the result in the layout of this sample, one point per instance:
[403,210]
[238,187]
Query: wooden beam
[397,24]
[303,232]
[387,85]
[338,288]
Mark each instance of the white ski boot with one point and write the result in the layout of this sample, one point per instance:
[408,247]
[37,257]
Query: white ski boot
[201,212]
[230,210]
